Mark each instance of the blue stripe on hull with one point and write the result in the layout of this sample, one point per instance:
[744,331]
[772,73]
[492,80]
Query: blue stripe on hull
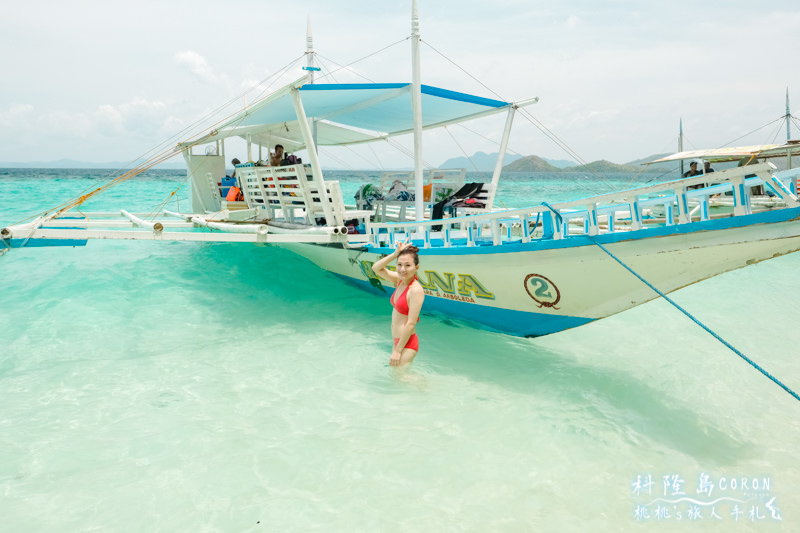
[519,323]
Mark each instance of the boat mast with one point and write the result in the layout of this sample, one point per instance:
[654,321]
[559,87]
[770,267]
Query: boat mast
[416,104]
[788,135]
[680,142]
[311,69]
[309,52]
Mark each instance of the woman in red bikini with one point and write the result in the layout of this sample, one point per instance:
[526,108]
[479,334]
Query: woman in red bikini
[406,300]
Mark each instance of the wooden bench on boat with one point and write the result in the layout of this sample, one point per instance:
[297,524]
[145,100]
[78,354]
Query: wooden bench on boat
[291,193]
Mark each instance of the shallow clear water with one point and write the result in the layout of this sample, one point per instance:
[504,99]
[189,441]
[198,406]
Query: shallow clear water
[189,387]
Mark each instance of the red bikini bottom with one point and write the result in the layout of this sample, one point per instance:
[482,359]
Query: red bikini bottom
[413,342]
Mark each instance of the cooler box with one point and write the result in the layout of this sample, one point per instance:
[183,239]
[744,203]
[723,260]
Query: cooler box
[226,184]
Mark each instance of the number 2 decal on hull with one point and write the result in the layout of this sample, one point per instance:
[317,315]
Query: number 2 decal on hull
[543,291]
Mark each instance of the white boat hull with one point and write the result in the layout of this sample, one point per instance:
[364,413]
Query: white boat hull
[548,286]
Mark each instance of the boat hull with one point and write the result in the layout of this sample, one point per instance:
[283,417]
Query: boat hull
[543,287]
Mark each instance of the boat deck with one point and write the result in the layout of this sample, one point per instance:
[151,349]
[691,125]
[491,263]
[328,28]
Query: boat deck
[277,196]
[623,211]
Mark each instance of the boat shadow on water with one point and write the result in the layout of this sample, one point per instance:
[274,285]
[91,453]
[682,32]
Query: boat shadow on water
[616,401]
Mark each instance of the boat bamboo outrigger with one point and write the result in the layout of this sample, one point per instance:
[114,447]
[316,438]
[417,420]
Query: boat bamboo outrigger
[529,271]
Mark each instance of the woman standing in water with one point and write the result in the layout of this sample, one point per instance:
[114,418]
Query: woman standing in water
[406,300]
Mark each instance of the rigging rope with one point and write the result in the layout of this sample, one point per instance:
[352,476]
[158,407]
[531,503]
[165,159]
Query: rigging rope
[462,69]
[533,120]
[327,69]
[750,133]
[410,153]
[536,122]
[165,153]
[471,162]
[156,211]
[277,75]
[778,131]
[162,153]
[378,159]
[696,321]
[347,67]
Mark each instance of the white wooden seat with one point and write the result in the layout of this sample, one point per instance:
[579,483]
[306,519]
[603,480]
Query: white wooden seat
[340,209]
[291,193]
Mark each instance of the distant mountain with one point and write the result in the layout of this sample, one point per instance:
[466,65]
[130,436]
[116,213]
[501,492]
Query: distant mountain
[531,163]
[649,158]
[560,163]
[71,163]
[478,161]
[534,163]
[603,166]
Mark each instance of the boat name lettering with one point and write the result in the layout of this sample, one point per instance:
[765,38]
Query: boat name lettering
[450,296]
[461,287]
[466,286]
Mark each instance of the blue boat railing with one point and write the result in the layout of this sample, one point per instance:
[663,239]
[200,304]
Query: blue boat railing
[663,204]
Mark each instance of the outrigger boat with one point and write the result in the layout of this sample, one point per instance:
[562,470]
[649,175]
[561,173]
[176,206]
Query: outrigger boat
[760,198]
[529,271]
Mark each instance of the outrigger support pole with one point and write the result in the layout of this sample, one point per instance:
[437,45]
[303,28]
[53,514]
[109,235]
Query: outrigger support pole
[498,168]
[311,148]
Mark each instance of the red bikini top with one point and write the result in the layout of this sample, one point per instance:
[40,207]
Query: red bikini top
[401,302]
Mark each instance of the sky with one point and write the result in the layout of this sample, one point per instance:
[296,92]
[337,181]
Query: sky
[110,81]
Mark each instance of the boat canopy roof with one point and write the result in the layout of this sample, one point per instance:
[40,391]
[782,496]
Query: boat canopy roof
[718,155]
[346,114]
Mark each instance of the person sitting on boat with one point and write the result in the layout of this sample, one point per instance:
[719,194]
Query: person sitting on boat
[276,156]
[691,173]
[692,170]
[707,168]
[406,300]
[234,162]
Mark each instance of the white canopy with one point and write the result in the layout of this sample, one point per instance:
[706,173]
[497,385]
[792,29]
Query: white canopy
[736,153]
[350,113]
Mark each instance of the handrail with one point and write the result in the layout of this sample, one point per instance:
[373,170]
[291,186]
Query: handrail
[618,211]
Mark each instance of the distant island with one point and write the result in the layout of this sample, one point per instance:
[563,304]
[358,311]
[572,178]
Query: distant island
[482,161]
[533,163]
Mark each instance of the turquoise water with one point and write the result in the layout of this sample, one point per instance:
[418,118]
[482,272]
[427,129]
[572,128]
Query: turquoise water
[190,387]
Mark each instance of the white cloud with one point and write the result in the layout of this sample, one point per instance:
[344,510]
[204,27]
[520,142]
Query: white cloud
[197,65]
[14,114]
[614,76]
[122,129]
[20,108]
[573,21]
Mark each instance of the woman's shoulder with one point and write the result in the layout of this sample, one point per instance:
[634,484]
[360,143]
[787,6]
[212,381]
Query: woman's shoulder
[416,287]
